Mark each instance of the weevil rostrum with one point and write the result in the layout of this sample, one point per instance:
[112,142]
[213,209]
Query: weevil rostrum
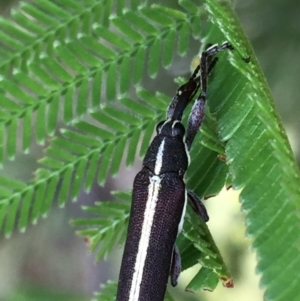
[159,194]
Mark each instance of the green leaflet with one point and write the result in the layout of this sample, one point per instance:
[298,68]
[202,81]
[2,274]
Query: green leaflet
[68,77]
[108,228]
[66,65]
[108,292]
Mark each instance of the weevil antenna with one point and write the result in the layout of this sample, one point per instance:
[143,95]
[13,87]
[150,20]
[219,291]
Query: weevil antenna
[184,96]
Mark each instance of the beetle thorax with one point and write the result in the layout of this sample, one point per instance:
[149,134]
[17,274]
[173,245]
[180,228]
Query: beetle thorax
[168,152]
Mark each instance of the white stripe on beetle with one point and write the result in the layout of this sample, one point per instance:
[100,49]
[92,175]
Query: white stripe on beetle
[180,225]
[159,158]
[153,191]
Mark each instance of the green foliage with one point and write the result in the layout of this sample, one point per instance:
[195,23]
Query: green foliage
[261,162]
[109,227]
[108,292]
[60,79]
[75,62]
[42,294]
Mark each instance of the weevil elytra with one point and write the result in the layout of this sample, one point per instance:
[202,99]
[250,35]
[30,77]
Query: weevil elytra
[160,196]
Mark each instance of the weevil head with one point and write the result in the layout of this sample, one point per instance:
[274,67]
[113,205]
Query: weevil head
[171,128]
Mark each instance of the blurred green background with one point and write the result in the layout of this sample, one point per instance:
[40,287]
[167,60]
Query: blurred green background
[50,263]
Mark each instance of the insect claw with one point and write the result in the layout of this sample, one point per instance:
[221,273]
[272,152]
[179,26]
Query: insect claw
[222,158]
[246,59]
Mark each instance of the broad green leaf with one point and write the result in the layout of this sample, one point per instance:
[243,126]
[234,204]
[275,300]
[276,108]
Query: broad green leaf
[259,158]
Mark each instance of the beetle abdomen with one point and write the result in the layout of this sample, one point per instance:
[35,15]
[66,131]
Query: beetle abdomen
[155,216]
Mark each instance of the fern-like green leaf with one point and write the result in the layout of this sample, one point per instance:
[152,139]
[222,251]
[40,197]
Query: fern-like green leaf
[69,70]
[109,227]
[108,292]
[69,74]
[74,157]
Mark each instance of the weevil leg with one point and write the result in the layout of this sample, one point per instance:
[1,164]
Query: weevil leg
[205,62]
[195,120]
[197,114]
[187,91]
[212,65]
[175,269]
[197,205]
